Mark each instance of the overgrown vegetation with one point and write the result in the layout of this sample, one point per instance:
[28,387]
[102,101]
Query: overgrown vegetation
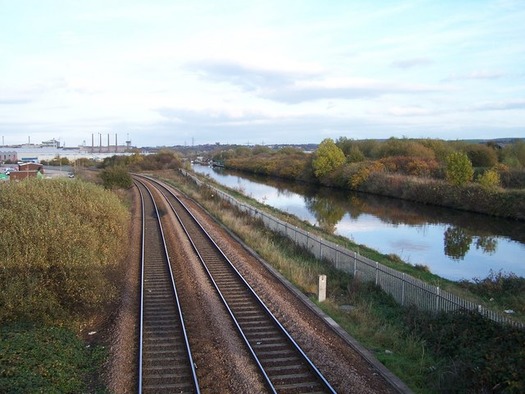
[45,360]
[162,160]
[485,178]
[507,288]
[116,177]
[61,245]
[431,353]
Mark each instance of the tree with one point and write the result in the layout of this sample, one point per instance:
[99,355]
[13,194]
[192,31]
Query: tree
[459,169]
[355,155]
[327,158]
[482,155]
[490,179]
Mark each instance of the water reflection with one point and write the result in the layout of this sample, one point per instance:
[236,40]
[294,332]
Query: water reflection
[326,214]
[458,242]
[437,237]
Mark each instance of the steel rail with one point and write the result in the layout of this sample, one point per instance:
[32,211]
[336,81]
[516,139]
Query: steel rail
[163,385]
[169,195]
[141,313]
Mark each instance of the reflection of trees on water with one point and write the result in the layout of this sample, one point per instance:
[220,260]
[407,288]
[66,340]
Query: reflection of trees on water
[325,213]
[457,242]
[487,244]
[327,204]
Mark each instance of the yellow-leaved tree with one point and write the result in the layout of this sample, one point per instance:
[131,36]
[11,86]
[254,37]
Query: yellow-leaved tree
[328,157]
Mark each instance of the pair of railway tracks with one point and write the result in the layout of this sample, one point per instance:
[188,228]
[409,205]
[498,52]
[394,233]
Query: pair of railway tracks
[165,358]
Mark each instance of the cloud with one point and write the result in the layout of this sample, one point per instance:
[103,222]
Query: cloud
[408,111]
[500,105]
[474,75]
[210,116]
[346,89]
[294,85]
[410,63]
[13,101]
[249,78]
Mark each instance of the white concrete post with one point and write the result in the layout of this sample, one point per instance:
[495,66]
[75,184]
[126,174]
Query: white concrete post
[322,288]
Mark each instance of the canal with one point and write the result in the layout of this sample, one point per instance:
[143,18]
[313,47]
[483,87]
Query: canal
[453,244]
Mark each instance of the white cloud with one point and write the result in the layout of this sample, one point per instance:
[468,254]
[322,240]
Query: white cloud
[504,105]
[413,62]
[475,75]
[408,111]
[346,89]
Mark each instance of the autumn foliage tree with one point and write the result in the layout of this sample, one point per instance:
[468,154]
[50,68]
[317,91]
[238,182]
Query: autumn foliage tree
[459,169]
[328,157]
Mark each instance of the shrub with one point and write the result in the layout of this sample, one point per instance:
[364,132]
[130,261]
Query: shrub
[116,177]
[410,165]
[63,240]
[478,354]
[490,179]
[459,169]
[363,172]
[481,155]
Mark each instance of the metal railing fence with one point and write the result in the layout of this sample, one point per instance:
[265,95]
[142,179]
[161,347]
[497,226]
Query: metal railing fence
[404,288]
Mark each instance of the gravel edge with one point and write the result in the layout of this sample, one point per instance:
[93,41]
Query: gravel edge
[390,377]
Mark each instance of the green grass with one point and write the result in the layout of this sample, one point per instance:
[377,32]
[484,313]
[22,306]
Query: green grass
[45,360]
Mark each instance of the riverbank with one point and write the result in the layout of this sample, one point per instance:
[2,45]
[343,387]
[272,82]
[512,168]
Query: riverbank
[424,171]
[472,197]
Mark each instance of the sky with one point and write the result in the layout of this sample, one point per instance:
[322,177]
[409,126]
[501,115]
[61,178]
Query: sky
[176,72]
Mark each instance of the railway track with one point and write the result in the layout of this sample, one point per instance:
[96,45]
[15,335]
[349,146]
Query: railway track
[284,367]
[165,361]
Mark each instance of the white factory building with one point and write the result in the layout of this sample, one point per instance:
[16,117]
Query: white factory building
[49,150]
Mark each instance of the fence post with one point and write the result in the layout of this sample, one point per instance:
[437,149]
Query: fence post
[377,273]
[322,288]
[403,291]
[307,241]
[355,264]
[437,298]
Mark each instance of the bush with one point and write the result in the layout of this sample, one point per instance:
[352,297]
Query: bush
[490,179]
[62,241]
[481,155]
[478,355]
[459,169]
[116,177]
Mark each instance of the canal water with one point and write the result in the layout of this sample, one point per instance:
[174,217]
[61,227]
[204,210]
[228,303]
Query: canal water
[453,244]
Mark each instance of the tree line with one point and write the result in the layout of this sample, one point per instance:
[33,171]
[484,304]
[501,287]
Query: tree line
[481,177]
